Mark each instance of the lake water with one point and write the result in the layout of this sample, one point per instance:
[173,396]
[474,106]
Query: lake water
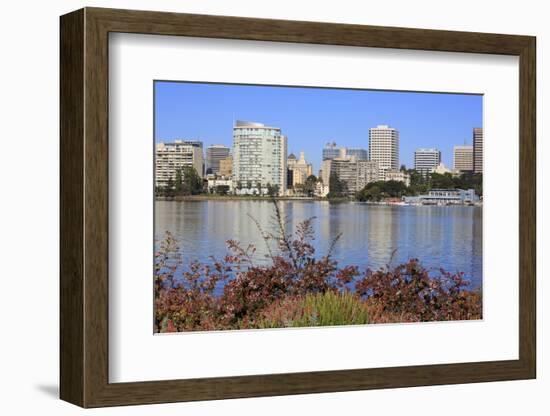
[440,237]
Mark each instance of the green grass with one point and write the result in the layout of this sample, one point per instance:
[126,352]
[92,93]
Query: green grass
[320,309]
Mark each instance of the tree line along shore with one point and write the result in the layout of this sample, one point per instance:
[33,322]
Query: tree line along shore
[188,185]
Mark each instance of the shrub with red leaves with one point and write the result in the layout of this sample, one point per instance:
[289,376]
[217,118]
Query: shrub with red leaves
[405,293]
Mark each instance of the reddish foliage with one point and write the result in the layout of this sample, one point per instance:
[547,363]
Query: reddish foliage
[407,293]
[404,294]
[170,327]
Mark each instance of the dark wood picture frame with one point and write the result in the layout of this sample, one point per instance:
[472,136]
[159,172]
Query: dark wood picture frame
[84,207]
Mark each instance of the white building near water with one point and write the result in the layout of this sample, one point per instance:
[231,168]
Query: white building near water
[398,176]
[214,183]
[444,197]
[259,158]
[171,157]
[384,148]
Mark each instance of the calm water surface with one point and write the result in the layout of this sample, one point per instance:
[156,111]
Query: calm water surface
[447,237]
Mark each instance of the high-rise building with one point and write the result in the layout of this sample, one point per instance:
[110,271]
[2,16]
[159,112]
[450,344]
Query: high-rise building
[324,172]
[215,153]
[226,167]
[478,149]
[331,151]
[170,157]
[463,158]
[426,160]
[356,174]
[359,153]
[259,158]
[367,172]
[346,171]
[300,169]
[384,148]
[194,143]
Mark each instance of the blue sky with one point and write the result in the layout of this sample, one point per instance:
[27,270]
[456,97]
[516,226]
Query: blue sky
[310,117]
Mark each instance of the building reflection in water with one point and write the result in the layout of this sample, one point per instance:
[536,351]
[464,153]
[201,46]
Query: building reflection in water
[441,237]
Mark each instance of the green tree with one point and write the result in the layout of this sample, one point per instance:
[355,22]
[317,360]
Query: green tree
[470,180]
[419,182]
[179,182]
[310,185]
[375,191]
[371,193]
[393,189]
[169,188]
[192,182]
[439,181]
[337,187]
[272,190]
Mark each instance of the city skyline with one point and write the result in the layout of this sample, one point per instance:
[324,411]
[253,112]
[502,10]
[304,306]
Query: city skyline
[310,117]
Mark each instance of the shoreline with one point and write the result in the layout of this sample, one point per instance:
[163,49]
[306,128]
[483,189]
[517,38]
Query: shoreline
[242,198]
[200,198]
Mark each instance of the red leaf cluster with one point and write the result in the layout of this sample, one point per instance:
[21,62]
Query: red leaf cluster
[186,300]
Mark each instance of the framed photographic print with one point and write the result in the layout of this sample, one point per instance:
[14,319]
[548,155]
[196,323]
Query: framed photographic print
[255,207]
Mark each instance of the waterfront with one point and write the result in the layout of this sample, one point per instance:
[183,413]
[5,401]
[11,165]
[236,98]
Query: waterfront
[440,237]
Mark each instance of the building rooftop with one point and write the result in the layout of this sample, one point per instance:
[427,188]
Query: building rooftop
[243,123]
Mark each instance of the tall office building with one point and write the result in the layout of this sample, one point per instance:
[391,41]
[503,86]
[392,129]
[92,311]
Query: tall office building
[359,153]
[259,157]
[463,158]
[384,148]
[215,153]
[426,160]
[478,149]
[332,151]
[170,157]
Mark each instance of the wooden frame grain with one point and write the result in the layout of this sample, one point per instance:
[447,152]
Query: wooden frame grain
[84,207]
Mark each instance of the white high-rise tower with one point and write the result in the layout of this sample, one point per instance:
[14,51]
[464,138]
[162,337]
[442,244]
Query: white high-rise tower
[384,148]
[259,158]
